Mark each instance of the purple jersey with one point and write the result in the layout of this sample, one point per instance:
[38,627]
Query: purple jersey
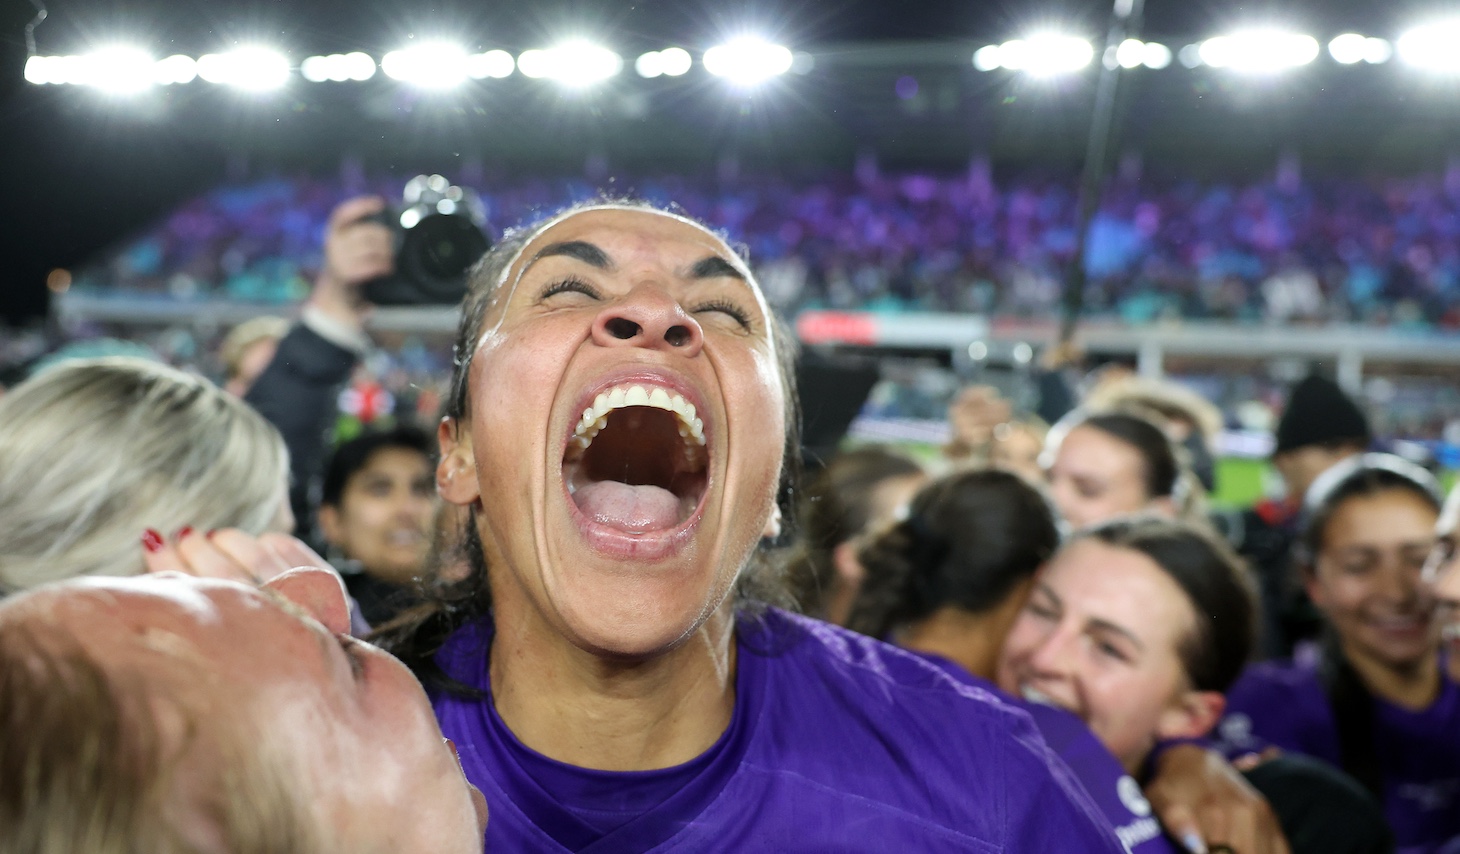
[1285,705]
[1114,792]
[837,743]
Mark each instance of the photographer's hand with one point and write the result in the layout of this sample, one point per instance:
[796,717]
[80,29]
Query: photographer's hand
[355,251]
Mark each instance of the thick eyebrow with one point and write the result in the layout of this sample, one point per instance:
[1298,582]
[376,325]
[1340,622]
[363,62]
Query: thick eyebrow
[714,267]
[578,250]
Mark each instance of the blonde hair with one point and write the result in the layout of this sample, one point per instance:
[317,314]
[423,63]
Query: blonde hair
[244,336]
[85,765]
[94,452]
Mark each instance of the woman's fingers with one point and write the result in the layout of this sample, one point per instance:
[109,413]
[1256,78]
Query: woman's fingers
[249,552]
[292,552]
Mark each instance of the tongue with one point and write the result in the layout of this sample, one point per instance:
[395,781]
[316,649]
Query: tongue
[634,509]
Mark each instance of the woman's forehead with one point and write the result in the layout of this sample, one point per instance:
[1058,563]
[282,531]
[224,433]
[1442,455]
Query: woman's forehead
[647,225]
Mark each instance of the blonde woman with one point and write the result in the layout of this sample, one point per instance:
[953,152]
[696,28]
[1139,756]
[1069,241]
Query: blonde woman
[98,454]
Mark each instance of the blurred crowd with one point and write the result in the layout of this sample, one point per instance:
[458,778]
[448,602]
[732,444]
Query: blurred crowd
[1383,253]
[615,614]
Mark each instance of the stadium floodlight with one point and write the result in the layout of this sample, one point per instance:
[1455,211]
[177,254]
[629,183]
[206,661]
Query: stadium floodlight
[1352,48]
[1259,51]
[670,62]
[119,70]
[175,69]
[574,63]
[256,69]
[338,67]
[748,61]
[1432,46]
[1043,55]
[496,64]
[1134,53]
[1156,55]
[430,65]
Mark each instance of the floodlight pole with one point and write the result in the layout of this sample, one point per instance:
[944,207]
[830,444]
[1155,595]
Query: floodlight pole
[1125,22]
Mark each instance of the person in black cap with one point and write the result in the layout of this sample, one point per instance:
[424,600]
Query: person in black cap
[1320,427]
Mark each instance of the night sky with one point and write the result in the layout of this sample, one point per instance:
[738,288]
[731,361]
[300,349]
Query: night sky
[72,182]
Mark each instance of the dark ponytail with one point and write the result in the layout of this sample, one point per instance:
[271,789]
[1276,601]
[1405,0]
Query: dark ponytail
[968,540]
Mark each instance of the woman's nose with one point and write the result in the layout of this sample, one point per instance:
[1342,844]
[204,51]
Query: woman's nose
[648,318]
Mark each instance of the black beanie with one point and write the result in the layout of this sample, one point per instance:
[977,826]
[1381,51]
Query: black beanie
[1319,412]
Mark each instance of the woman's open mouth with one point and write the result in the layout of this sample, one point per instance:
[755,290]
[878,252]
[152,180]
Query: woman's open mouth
[637,461]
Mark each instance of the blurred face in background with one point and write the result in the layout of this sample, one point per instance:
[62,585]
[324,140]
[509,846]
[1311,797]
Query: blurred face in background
[385,514]
[1366,577]
[1095,477]
[1100,636]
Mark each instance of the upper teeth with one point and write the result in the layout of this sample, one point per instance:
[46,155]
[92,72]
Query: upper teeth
[596,416]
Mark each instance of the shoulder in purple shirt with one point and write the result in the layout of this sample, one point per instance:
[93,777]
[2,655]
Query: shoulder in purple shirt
[837,743]
[1115,793]
[1285,705]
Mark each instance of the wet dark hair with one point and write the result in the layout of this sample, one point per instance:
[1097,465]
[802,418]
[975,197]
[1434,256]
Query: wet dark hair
[1160,468]
[353,455]
[417,635]
[1216,583]
[968,540]
[835,507]
[1350,699]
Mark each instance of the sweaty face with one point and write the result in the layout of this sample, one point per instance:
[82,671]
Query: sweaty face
[354,726]
[1367,577]
[1096,477]
[384,517]
[626,430]
[1100,636]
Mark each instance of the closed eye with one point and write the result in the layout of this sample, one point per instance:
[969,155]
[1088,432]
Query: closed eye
[570,284]
[730,309]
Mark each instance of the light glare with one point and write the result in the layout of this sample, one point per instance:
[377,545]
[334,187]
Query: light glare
[1259,51]
[1432,46]
[431,65]
[746,62]
[119,70]
[496,64]
[575,63]
[253,68]
[1042,55]
[175,69]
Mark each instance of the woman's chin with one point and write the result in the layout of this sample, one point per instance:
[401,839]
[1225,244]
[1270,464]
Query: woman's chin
[631,619]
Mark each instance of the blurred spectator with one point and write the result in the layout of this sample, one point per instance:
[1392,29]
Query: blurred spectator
[1320,427]
[247,350]
[376,513]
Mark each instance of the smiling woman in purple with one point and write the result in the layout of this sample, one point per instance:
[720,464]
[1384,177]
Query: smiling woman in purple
[1375,700]
[620,428]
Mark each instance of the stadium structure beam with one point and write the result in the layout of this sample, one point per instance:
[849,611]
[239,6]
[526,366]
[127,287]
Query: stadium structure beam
[1125,22]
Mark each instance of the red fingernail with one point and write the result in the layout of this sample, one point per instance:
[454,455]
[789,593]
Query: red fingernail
[152,540]
[183,532]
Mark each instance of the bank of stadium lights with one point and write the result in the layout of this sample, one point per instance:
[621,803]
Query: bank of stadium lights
[1432,47]
[1044,55]
[1253,51]
[1353,48]
[338,67]
[670,62]
[574,63]
[117,70]
[748,61]
[257,69]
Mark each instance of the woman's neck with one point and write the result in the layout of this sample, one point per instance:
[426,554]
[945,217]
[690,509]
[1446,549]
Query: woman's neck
[972,641]
[609,714]
[1414,686]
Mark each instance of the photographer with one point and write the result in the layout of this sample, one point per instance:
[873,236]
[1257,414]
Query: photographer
[296,392]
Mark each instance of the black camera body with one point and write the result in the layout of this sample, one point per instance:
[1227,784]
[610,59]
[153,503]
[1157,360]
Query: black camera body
[439,236]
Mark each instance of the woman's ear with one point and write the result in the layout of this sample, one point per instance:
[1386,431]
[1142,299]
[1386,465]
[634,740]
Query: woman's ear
[456,474]
[1192,715]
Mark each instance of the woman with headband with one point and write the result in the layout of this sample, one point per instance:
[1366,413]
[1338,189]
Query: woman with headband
[1375,700]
